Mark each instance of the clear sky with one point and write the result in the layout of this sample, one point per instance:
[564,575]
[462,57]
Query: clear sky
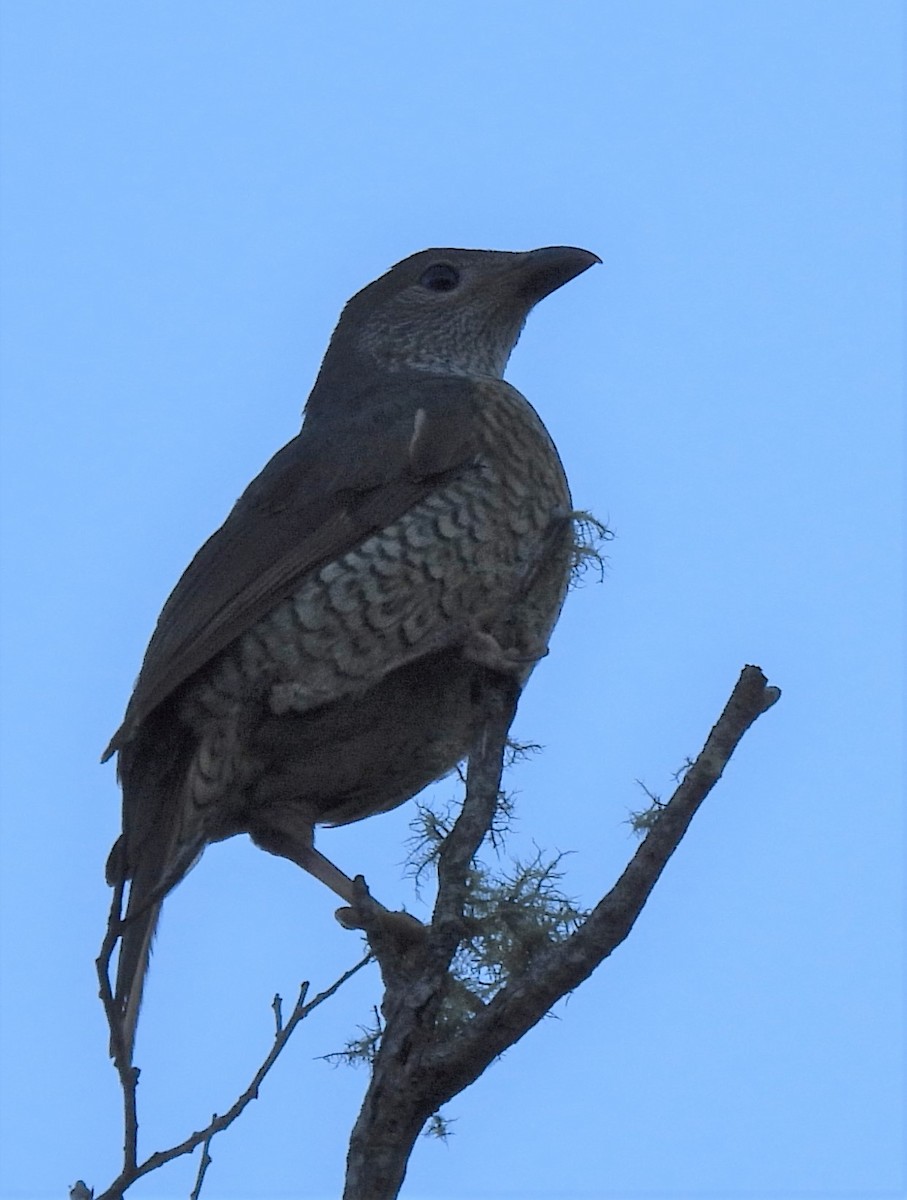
[191,192]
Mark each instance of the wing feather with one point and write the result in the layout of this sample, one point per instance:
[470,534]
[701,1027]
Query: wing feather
[316,499]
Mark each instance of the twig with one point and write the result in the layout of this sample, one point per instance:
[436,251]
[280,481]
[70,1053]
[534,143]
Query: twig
[133,1170]
[203,1165]
[119,1052]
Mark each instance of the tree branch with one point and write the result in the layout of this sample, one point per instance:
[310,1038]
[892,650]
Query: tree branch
[495,713]
[203,1165]
[417,1069]
[133,1170]
[416,982]
[561,968]
[119,1052]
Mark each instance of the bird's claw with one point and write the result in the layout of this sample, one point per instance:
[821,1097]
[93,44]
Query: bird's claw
[373,918]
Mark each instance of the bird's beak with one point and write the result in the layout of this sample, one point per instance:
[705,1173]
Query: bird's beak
[541,272]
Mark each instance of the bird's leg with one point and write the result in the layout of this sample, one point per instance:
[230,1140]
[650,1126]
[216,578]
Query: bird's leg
[364,911]
[322,868]
[280,831]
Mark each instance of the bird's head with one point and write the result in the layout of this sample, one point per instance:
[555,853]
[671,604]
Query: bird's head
[445,311]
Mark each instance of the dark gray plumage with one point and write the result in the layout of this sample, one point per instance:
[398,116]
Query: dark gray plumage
[316,662]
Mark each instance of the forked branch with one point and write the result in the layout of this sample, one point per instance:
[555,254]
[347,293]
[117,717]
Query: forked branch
[129,1076]
[419,1065]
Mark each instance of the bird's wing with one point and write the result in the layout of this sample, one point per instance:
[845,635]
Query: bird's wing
[322,494]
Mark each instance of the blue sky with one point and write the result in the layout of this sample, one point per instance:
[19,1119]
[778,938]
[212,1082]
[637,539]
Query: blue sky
[191,192]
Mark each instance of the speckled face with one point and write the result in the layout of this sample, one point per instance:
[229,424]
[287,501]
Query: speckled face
[448,311]
[448,315]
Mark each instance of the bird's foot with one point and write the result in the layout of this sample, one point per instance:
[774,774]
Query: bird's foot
[376,921]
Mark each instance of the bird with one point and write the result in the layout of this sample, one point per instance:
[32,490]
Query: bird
[317,662]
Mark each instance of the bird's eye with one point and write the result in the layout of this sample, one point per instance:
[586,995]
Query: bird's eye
[440,277]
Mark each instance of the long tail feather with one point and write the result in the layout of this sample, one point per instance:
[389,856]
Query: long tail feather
[132,966]
[149,855]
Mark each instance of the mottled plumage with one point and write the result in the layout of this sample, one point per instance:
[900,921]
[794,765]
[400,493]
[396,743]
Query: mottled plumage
[316,662]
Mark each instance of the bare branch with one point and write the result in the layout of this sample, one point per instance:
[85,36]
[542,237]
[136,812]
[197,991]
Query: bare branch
[119,1050]
[483,784]
[419,1066]
[562,967]
[133,1170]
[203,1165]
[395,1107]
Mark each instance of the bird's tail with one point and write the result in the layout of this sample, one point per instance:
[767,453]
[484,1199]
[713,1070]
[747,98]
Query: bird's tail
[151,856]
[136,934]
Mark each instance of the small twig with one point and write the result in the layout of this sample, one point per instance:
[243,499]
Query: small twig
[203,1166]
[119,1051]
[277,1005]
[133,1171]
